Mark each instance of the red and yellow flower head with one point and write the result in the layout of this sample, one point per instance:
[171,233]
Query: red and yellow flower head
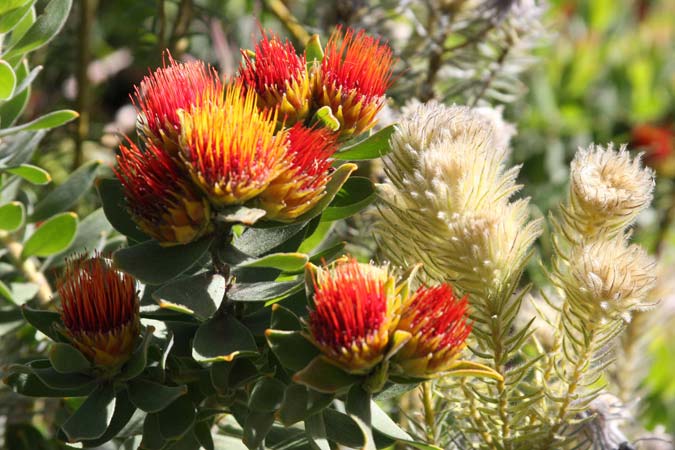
[303,184]
[230,147]
[99,311]
[354,75]
[167,91]
[355,310]
[160,195]
[279,77]
[437,322]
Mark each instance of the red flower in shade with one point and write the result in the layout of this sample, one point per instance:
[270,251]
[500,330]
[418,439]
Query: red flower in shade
[355,74]
[303,184]
[438,323]
[658,142]
[355,309]
[279,76]
[167,91]
[99,310]
[160,196]
[230,148]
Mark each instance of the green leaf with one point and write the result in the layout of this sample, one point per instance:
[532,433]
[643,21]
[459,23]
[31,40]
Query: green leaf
[222,338]
[267,395]
[264,291]
[12,109]
[291,348]
[57,380]
[30,173]
[199,295]
[152,437]
[383,424]
[93,417]
[12,216]
[259,241]
[67,194]
[316,432]
[202,432]
[6,292]
[256,427]
[43,30]
[313,50]
[356,194]
[153,397]
[111,192]
[325,377]
[51,237]
[42,320]
[325,117]
[19,148]
[91,234]
[139,358]
[294,406]
[284,319]
[51,120]
[30,385]
[153,264]
[358,404]
[67,359]
[8,5]
[286,262]
[177,418]
[11,18]
[342,429]
[7,80]
[242,214]
[374,146]
[124,410]
[24,436]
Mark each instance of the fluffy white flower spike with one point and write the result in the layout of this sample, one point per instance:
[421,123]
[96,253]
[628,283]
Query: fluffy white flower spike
[446,203]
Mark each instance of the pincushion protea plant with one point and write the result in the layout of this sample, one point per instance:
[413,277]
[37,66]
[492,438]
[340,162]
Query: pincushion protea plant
[297,189]
[99,311]
[167,91]
[355,309]
[353,77]
[230,147]
[160,196]
[437,322]
[279,76]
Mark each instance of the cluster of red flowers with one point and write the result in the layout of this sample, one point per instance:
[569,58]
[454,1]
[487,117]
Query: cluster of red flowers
[358,308]
[251,141]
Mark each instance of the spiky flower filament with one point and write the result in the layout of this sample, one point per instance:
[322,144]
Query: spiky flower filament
[168,90]
[438,323]
[99,310]
[303,184]
[355,310]
[230,147]
[354,76]
[279,77]
[160,195]
[608,189]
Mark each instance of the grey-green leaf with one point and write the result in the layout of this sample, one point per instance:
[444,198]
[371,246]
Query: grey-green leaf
[50,120]
[93,417]
[372,147]
[44,29]
[153,397]
[30,173]
[53,236]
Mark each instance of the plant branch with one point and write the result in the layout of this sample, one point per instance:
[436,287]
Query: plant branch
[429,414]
[288,20]
[87,14]
[27,268]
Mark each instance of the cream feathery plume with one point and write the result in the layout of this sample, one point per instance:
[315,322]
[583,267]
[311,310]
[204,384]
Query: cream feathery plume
[446,203]
[608,189]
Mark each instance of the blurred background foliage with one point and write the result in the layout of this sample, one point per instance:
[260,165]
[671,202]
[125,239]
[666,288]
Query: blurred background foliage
[596,71]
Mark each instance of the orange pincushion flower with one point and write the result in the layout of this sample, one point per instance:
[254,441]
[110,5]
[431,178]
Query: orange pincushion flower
[354,76]
[230,148]
[279,76]
[303,184]
[438,323]
[99,310]
[160,196]
[167,91]
[355,310]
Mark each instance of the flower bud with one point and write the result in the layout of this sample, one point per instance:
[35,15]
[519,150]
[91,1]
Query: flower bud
[167,91]
[279,77]
[303,184]
[230,148]
[160,196]
[355,310]
[99,310]
[437,321]
[355,74]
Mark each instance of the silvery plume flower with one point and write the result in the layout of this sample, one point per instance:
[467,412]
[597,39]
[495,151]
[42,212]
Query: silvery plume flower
[607,279]
[446,203]
[608,189]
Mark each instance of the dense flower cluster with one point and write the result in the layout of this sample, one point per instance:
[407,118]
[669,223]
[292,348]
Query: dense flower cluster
[99,310]
[358,307]
[253,141]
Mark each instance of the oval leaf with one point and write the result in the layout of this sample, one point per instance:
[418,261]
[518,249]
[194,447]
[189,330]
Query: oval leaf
[356,194]
[199,295]
[12,216]
[372,147]
[323,376]
[264,291]
[7,80]
[153,264]
[51,120]
[44,29]
[222,339]
[267,395]
[32,174]
[153,397]
[177,418]
[51,237]
[67,359]
[111,192]
[67,194]
[286,262]
[93,417]
[292,349]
